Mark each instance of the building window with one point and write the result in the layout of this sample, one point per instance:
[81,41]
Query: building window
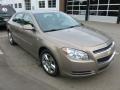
[16,5]
[83,2]
[103,1]
[92,12]
[112,13]
[41,4]
[20,5]
[93,1]
[114,1]
[102,13]
[51,3]
[103,7]
[69,12]
[114,7]
[97,7]
[28,4]
[83,7]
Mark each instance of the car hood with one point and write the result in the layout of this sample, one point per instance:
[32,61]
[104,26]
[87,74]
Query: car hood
[80,36]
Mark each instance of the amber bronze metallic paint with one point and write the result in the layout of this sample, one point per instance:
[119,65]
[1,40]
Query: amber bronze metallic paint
[80,38]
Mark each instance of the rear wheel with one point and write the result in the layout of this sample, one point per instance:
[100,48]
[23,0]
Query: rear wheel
[10,37]
[49,63]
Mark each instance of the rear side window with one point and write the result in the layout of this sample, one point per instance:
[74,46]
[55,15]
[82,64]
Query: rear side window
[18,18]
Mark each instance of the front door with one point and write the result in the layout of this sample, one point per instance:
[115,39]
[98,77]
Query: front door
[29,36]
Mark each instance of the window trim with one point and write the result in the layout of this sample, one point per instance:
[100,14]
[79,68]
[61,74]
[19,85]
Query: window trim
[15,18]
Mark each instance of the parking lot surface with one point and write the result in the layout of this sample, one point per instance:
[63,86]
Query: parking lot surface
[19,70]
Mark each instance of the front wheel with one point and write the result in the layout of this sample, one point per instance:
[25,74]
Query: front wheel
[10,37]
[49,63]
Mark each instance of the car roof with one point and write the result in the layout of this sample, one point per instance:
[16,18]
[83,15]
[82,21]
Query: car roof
[38,11]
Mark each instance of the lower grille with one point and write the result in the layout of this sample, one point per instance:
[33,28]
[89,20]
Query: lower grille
[104,59]
[81,72]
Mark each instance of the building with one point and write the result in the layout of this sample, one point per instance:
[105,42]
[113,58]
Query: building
[99,10]
[20,5]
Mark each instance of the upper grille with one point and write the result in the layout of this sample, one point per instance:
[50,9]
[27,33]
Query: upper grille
[102,49]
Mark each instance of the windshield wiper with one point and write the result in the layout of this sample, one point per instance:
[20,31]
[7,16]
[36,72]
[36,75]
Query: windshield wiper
[52,30]
[73,26]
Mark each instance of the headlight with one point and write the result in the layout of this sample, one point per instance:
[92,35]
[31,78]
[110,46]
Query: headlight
[75,54]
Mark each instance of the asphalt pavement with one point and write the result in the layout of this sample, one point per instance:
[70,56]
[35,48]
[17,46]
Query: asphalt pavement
[19,70]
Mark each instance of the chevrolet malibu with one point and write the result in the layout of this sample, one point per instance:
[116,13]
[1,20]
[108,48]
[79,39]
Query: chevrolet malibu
[61,44]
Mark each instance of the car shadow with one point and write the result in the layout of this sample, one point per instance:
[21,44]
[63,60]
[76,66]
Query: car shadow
[3,28]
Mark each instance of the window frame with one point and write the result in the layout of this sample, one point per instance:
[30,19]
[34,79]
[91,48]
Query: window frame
[41,3]
[51,4]
[14,19]
[28,5]
[20,5]
[16,6]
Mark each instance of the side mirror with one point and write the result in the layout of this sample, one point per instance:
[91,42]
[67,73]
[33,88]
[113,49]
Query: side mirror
[29,27]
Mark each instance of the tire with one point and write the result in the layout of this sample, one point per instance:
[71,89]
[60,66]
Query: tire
[10,38]
[49,63]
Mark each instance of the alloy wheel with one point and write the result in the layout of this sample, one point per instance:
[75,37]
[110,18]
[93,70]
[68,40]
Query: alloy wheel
[10,38]
[48,63]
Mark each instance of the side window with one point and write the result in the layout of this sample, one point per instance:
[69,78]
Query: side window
[18,18]
[27,19]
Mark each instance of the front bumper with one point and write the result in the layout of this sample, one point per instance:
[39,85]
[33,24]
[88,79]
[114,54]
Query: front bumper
[90,67]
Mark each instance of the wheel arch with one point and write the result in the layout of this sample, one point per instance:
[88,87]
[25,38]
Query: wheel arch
[41,49]
[51,51]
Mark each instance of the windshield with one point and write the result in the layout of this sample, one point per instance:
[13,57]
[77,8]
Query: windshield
[55,21]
